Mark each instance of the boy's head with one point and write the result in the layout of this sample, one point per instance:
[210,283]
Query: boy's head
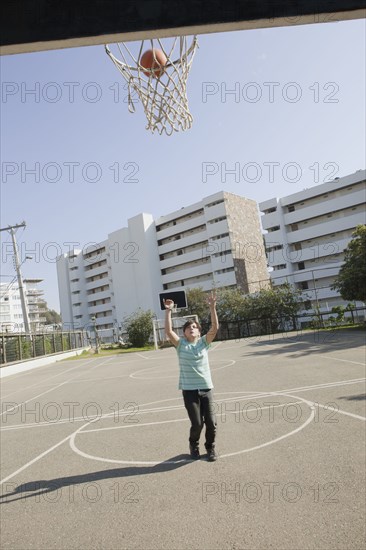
[191,330]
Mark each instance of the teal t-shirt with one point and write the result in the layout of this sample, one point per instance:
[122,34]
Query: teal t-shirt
[194,368]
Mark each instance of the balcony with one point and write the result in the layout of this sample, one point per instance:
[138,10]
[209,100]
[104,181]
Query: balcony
[270,220]
[216,211]
[325,207]
[217,228]
[187,273]
[99,295]
[33,292]
[99,309]
[182,243]
[97,283]
[180,227]
[95,271]
[183,258]
[326,228]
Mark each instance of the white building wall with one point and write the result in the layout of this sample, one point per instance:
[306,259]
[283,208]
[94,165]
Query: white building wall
[135,272]
[308,232]
[11,314]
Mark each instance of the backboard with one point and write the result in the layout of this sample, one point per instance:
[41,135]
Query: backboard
[179,298]
[37,25]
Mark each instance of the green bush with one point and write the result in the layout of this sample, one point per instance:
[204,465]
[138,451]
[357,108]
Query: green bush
[26,349]
[139,327]
[12,349]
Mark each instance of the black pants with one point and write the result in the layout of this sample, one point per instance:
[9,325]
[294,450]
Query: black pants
[200,408]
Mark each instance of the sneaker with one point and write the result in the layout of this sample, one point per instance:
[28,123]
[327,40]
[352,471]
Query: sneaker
[211,454]
[194,451]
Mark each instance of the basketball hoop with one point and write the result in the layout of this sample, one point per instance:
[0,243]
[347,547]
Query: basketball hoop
[160,84]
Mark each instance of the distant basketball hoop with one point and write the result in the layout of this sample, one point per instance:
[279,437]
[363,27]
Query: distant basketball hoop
[158,73]
[177,325]
[179,298]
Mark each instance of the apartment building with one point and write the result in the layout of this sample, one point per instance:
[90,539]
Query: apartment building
[216,242]
[106,281]
[11,315]
[307,233]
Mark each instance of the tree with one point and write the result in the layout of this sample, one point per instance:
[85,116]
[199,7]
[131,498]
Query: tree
[281,301]
[231,304]
[197,304]
[350,281]
[52,317]
[139,327]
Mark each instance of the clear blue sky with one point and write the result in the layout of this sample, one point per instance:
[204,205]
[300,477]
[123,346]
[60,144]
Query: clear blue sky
[314,139]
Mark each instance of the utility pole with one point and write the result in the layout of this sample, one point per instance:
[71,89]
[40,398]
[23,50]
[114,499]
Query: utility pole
[23,301]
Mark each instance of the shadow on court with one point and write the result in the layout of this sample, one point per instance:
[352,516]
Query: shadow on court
[43,486]
[360,397]
[321,342]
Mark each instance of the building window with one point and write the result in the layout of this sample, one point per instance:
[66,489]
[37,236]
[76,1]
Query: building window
[291,208]
[216,220]
[304,285]
[214,203]
[301,266]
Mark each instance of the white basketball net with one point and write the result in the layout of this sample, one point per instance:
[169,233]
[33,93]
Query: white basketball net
[164,98]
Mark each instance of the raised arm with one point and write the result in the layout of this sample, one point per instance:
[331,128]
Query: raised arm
[169,332]
[214,320]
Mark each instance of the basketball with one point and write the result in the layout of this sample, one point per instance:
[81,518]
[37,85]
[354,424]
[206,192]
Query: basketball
[155,60]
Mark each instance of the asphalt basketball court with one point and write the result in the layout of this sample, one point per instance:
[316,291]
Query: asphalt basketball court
[95,451]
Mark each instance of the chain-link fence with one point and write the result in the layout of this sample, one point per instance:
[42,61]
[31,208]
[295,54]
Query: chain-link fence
[246,328]
[20,347]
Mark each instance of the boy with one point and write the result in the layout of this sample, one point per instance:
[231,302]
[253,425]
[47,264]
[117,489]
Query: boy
[195,376]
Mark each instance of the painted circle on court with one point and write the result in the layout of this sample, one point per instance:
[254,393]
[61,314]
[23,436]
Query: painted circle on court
[81,430]
[136,374]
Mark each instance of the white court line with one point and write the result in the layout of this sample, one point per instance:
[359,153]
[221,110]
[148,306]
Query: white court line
[176,407]
[47,391]
[173,399]
[137,424]
[214,347]
[63,441]
[98,379]
[47,379]
[342,412]
[344,360]
[156,377]
[143,357]
[257,447]
[34,460]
